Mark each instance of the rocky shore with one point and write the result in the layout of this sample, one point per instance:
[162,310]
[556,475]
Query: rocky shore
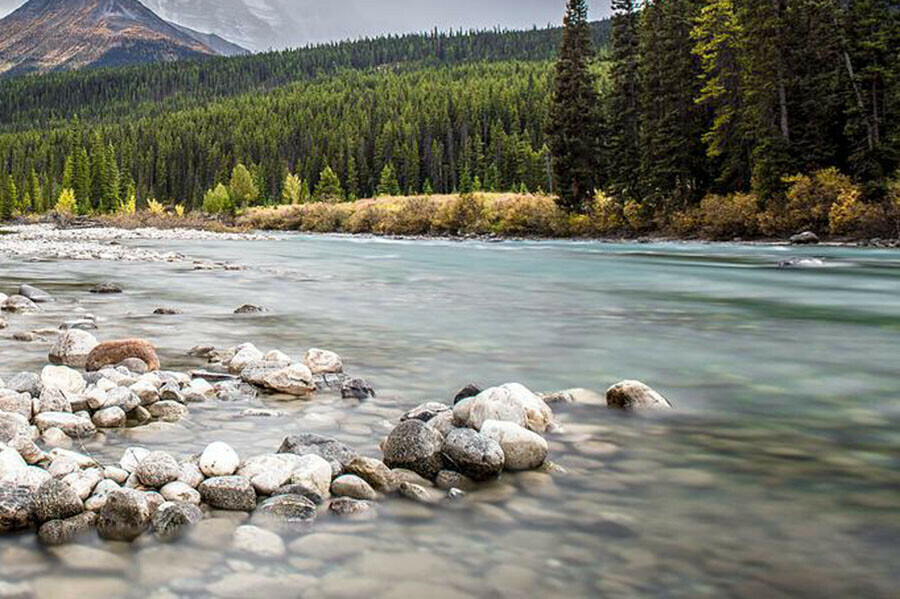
[435,453]
[47,241]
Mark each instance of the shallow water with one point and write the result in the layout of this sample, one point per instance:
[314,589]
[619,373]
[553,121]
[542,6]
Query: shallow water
[777,475]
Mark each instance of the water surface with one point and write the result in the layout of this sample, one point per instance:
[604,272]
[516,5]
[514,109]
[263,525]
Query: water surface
[777,475]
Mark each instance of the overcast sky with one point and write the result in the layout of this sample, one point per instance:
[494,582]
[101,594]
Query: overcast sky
[354,18]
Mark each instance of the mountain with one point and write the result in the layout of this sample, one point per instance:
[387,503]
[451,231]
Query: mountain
[255,24]
[52,35]
[221,45]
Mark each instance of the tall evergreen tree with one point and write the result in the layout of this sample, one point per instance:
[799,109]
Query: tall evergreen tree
[573,127]
[622,110]
[388,184]
[329,187]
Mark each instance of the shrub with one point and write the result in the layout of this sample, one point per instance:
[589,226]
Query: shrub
[637,216]
[807,203]
[179,210]
[325,218]
[850,215]
[129,206]
[726,217]
[409,216]
[66,205]
[461,215]
[155,208]
[218,201]
[607,214]
[528,215]
[365,217]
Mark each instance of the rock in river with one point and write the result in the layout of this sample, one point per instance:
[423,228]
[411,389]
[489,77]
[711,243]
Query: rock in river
[19,304]
[415,446]
[289,508]
[511,402]
[322,361]
[473,454]
[63,378]
[64,532]
[338,454]
[627,395]
[805,238]
[110,353]
[15,507]
[229,493]
[157,470]
[522,448]
[56,500]
[38,296]
[73,425]
[106,288]
[125,516]
[72,348]
[219,459]
[173,519]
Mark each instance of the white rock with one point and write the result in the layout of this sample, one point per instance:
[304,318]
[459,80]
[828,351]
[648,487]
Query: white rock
[276,356]
[30,476]
[202,387]
[132,457]
[63,378]
[312,470]
[105,384]
[267,472]
[72,348]
[82,460]
[219,459]
[146,390]
[11,461]
[322,361]
[84,481]
[510,403]
[94,397]
[522,448]
[296,380]
[54,437]
[117,475]
[246,354]
[179,491]
[258,541]
[77,425]
[190,474]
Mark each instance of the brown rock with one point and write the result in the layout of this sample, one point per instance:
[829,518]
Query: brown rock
[113,352]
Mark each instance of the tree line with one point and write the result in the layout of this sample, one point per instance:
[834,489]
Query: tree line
[403,130]
[726,96]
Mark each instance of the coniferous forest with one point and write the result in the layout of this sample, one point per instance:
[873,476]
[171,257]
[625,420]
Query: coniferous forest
[716,117]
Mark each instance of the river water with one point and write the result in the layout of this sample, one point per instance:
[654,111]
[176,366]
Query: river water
[778,473]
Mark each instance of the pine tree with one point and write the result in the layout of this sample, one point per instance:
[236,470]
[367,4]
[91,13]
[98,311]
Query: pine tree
[673,167]
[573,124]
[352,179]
[5,199]
[387,183]
[717,37]
[82,181]
[329,187]
[622,112]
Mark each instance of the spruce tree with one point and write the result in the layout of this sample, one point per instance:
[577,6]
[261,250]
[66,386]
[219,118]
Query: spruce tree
[82,181]
[329,188]
[387,183]
[242,189]
[622,111]
[290,190]
[573,127]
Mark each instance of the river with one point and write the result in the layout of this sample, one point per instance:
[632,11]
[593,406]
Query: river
[778,473]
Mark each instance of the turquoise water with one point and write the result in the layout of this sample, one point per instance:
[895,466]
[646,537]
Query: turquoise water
[777,475]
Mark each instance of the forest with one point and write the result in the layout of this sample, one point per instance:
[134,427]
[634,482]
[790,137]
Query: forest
[720,118]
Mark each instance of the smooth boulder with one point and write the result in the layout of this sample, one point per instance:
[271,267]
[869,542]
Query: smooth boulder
[415,446]
[124,517]
[233,493]
[473,454]
[110,353]
[72,348]
[219,459]
[522,449]
[628,395]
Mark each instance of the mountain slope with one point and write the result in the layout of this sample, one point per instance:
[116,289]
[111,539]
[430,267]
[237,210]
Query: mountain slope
[51,35]
[219,44]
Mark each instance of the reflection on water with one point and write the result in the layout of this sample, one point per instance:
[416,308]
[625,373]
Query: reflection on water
[776,476]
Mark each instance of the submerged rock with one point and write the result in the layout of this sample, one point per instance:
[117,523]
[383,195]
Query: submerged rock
[356,388]
[288,508]
[415,446]
[375,472]
[250,309]
[349,507]
[628,395]
[19,304]
[174,518]
[350,485]
[15,507]
[63,532]
[106,288]
[157,469]
[110,353]
[511,402]
[38,296]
